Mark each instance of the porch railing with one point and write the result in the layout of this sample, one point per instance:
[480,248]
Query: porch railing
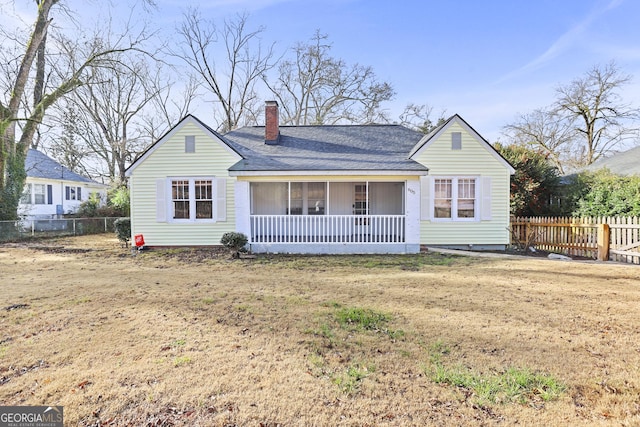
[327,229]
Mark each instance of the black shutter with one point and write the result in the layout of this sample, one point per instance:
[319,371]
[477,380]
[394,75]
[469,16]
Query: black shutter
[79,195]
[49,194]
[67,190]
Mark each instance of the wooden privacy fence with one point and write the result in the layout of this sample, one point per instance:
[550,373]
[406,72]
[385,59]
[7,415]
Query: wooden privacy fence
[603,238]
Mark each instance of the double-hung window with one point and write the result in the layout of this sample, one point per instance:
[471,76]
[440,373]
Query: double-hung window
[39,194]
[73,193]
[455,198]
[180,199]
[191,199]
[26,196]
[204,198]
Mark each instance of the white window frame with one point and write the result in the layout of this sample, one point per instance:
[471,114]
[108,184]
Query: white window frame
[454,199]
[192,199]
[43,194]
[74,193]
[27,195]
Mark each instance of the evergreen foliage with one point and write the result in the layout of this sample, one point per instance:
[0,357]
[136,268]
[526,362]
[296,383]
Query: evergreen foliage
[603,193]
[535,183]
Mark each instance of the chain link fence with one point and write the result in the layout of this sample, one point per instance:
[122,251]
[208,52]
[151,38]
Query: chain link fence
[15,231]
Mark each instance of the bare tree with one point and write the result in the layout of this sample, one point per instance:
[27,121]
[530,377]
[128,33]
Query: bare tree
[67,78]
[419,117]
[108,116]
[170,104]
[587,121]
[546,129]
[315,88]
[232,81]
[67,146]
[601,118]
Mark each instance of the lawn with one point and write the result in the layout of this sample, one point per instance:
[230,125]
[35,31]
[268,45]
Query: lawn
[192,337]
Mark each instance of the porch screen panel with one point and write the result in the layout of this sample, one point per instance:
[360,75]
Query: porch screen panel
[316,198]
[341,198]
[296,198]
[269,198]
[387,198]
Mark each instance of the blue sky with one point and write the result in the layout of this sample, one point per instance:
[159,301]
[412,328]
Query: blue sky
[488,60]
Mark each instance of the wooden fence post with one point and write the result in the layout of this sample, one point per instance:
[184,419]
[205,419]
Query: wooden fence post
[603,242]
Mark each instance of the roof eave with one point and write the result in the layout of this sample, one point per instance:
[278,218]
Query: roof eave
[351,172]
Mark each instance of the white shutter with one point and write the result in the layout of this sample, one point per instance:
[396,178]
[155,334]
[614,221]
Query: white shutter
[425,198]
[221,199]
[161,204]
[485,203]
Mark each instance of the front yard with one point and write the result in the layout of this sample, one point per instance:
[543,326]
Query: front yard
[185,337]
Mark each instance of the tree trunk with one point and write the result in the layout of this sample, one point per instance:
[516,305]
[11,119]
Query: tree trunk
[12,173]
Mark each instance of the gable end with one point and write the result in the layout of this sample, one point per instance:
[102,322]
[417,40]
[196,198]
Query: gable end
[169,134]
[436,133]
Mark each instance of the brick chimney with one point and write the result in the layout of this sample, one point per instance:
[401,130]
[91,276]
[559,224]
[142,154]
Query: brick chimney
[271,123]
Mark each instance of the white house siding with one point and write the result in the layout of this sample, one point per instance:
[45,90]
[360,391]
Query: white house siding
[168,159]
[474,160]
[49,209]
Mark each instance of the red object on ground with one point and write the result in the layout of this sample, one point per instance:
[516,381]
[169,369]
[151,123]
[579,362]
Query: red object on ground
[139,239]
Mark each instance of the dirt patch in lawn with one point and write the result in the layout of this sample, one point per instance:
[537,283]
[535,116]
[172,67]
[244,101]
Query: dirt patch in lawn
[191,337]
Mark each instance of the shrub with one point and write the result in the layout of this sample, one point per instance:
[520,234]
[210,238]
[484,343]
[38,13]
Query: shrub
[603,193]
[234,241]
[535,182]
[119,200]
[123,229]
[89,208]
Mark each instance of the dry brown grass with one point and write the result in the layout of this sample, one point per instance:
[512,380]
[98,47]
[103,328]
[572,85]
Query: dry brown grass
[193,338]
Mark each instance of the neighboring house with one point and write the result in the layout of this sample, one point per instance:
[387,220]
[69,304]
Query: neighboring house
[624,163]
[52,190]
[322,189]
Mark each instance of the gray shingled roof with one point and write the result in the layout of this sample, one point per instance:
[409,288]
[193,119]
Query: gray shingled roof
[39,165]
[625,163]
[330,148]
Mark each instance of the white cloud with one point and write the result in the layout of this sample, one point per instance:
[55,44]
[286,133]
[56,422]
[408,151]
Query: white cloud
[565,42]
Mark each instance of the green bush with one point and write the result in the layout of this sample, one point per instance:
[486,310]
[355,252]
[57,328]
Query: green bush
[123,229]
[603,193]
[535,182]
[119,199]
[234,241]
[89,208]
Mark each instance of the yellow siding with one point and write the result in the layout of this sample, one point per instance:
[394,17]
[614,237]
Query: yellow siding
[212,158]
[472,160]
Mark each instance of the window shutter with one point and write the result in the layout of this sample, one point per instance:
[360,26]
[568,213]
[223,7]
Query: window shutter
[456,140]
[161,204]
[485,204]
[425,198]
[67,190]
[190,144]
[49,194]
[221,199]
[79,195]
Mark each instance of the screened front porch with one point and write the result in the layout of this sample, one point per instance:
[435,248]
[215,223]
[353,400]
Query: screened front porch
[327,212]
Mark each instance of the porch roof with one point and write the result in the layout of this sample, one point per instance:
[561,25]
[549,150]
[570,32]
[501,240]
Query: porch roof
[382,148]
